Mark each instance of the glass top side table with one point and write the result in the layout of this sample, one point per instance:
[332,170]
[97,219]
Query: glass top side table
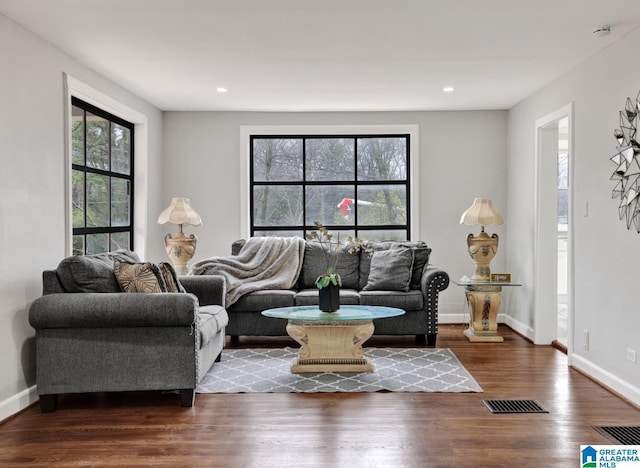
[484,299]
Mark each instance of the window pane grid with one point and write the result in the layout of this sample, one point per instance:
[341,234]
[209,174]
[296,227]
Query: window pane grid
[355,182]
[102,180]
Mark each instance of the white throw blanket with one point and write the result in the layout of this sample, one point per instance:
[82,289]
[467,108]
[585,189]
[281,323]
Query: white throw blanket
[262,263]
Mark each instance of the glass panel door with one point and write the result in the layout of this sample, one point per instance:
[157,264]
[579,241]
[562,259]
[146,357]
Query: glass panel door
[563,230]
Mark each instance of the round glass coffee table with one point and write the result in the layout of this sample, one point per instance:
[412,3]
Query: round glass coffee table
[331,341]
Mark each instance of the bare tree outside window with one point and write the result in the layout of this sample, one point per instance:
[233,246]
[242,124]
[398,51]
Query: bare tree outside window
[382,158]
[330,159]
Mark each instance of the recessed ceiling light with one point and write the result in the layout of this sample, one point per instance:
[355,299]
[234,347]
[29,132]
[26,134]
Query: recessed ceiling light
[221,90]
[448,89]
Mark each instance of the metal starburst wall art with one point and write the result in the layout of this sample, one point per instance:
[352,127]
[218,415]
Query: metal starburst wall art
[627,172]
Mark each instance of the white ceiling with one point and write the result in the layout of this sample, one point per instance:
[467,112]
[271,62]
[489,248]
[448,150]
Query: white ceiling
[322,55]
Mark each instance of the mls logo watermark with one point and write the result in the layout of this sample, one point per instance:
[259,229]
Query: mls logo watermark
[609,456]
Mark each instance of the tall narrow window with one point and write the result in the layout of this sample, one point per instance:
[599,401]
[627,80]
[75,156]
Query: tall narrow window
[353,184]
[102,180]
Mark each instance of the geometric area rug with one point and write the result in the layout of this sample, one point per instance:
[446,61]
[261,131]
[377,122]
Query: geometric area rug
[394,370]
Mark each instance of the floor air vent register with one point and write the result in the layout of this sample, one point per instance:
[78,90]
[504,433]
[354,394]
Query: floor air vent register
[619,435]
[623,435]
[514,406]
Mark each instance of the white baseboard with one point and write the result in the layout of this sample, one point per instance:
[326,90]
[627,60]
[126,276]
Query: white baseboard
[621,387]
[18,402]
[462,317]
[452,318]
[524,330]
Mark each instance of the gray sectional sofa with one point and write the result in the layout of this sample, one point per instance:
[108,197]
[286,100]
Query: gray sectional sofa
[380,286]
[92,337]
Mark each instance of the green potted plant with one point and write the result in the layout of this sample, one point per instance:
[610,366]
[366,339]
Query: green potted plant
[329,283]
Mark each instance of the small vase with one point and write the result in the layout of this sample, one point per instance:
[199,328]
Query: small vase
[329,298]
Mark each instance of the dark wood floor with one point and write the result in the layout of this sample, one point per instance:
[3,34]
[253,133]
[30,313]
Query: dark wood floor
[336,430]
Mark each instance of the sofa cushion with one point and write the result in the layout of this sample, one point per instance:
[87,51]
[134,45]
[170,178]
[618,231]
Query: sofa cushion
[411,300]
[139,277]
[310,297]
[258,301]
[92,273]
[315,265]
[211,320]
[420,258]
[390,270]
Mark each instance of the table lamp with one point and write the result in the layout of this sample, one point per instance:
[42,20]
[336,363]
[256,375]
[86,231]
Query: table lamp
[482,248]
[180,248]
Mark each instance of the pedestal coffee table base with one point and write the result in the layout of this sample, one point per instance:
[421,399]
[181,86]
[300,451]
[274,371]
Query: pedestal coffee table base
[331,342]
[330,346]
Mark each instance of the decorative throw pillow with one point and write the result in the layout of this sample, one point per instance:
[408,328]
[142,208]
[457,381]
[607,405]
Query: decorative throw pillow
[139,277]
[390,270]
[170,277]
[365,259]
[315,264]
[92,273]
[421,255]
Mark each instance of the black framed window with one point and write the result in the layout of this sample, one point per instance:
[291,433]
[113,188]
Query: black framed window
[354,184]
[102,180]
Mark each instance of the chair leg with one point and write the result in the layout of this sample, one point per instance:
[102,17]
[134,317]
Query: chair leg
[48,403]
[219,357]
[187,397]
[421,340]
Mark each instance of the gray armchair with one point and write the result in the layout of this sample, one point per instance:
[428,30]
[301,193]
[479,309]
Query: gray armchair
[115,341]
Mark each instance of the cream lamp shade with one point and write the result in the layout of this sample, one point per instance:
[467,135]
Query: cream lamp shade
[481,212]
[180,248]
[180,212]
[482,248]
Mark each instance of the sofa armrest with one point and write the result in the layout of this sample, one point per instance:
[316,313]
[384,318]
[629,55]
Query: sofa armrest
[434,280]
[113,310]
[209,289]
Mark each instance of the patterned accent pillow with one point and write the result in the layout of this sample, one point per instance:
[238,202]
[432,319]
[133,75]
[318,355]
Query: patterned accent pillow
[170,278]
[139,277]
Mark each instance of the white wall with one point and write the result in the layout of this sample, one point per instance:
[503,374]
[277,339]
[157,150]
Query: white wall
[606,254]
[32,189]
[462,156]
